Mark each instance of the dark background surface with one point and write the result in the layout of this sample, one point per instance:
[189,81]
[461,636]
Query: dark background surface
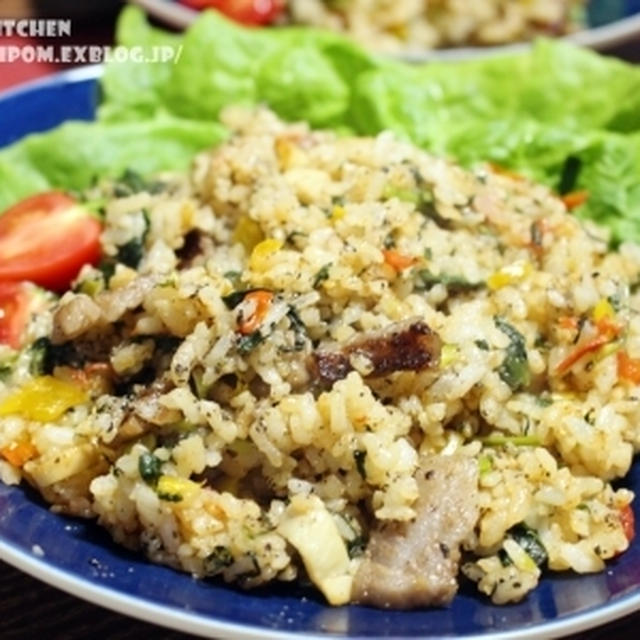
[28,608]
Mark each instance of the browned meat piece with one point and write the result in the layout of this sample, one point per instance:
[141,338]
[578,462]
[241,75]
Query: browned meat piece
[415,564]
[196,248]
[404,346]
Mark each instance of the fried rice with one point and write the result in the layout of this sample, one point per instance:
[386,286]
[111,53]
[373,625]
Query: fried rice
[341,360]
[414,25]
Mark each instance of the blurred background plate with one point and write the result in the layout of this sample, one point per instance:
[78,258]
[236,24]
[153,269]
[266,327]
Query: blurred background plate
[611,22]
[79,557]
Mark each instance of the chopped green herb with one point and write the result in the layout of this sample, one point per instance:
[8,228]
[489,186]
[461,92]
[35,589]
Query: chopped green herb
[569,175]
[166,344]
[360,456]
[615,301]
[504,558]
[5,371]
[356,546]
[582,321]
[131,252]
[299,329]
[198,387]
[291,238]
[234,276]
[39,351]
[131,182]
[246,344]
[485,464]
[232,300]
[96,206]
[536,234]
[150,468]
[514,369]
[389,242]
[453,283]
[321,276]
[170,497]
[45,356]
[181,427]
[528,539]
[404,194]
[427,207]
[482,344]
[540,342]
[91,286]
[107,268]
[544,400]
[218,559]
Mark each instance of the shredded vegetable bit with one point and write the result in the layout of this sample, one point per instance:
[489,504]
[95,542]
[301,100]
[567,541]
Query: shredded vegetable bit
[259,303]
[18,453]
[397,260]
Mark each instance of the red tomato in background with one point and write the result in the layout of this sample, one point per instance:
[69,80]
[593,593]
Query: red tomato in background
[254,12]
[46,239]
[14,312]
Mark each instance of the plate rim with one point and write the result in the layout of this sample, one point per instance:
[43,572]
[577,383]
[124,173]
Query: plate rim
[171,617]
[67,76]
[211,627]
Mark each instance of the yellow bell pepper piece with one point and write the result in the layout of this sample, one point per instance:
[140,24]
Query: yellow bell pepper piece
[43,399]
[248,233]
[261,253]
[511,274]
[602,310]
[337,213]
[175,489]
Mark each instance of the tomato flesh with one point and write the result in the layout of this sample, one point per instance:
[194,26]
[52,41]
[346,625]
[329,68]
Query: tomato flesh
[46,239]
[254,12]
[14,312]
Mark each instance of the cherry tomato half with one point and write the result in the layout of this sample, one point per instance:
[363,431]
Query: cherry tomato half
[14,312]
[254,12]
[46,239]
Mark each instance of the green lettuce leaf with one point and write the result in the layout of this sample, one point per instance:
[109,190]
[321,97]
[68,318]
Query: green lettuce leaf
[75,154]
[533,112]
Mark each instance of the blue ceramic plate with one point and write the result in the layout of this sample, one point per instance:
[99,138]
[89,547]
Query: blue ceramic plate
[79,557]
[610,22]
